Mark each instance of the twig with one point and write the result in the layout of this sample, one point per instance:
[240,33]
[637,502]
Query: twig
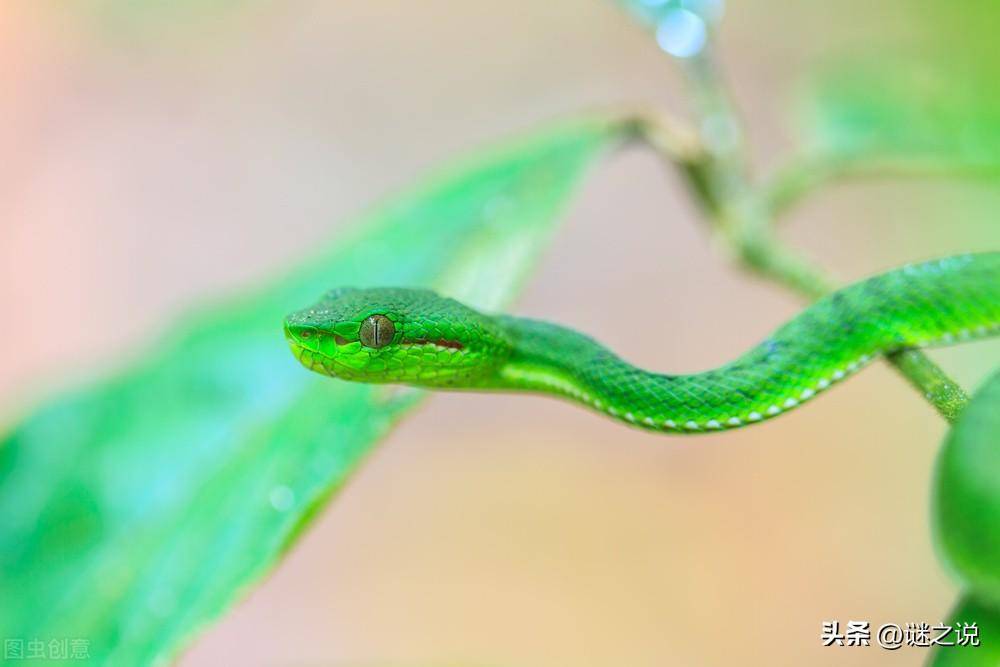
[678,145]
[742,216]
[806,173]
[766,256]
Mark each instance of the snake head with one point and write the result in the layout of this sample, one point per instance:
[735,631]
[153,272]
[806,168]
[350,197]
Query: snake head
[407,336]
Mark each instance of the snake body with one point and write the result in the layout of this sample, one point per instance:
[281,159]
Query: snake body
[415,337]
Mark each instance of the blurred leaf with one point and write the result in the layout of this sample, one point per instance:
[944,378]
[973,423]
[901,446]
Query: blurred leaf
[958,34]
[987,621]
[966,501]
[927,117]
[914,97]
[135,510]
[921,99]
[923,92]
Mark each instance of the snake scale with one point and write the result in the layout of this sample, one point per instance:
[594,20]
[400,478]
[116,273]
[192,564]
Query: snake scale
[415,337]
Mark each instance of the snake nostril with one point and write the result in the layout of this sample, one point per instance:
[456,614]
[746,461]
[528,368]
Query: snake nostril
[304,333]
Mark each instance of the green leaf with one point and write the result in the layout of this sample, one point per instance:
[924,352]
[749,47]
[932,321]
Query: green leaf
[920,98]
[966,503]
[986,619]
[909,115]
[135,510]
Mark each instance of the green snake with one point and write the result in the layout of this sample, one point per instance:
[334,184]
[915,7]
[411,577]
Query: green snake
[415,337]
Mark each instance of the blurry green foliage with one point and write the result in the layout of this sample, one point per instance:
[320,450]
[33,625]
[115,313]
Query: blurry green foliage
[967,494]
[959,35]
[929,99]
[987,654]
[912,116]
[135,510]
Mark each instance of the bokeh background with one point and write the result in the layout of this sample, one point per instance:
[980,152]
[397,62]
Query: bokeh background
[155,154]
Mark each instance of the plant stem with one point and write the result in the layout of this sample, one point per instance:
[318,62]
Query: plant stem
[927,377]
[678,145]
[766,256]
[742,216]
[806,173]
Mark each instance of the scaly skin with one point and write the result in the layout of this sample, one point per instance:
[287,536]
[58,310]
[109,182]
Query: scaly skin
[430,341]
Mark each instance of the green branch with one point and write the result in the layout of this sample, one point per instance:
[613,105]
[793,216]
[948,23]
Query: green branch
[806,173]
[766,256]
[742,216]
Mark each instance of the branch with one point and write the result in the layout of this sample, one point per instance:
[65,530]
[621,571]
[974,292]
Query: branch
[766,256]
[807,173]
[742,216]
[678,145]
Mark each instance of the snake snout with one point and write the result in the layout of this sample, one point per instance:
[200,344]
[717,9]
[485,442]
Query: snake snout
[302,336]
[310,346]
[295,333]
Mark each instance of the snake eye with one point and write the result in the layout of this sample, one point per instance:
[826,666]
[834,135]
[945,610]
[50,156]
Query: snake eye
[377,331]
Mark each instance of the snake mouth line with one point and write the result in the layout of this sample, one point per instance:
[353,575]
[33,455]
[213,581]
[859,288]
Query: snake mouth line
[440,342]
[317,361]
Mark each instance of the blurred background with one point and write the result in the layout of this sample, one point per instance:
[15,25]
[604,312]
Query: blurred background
[159,153]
